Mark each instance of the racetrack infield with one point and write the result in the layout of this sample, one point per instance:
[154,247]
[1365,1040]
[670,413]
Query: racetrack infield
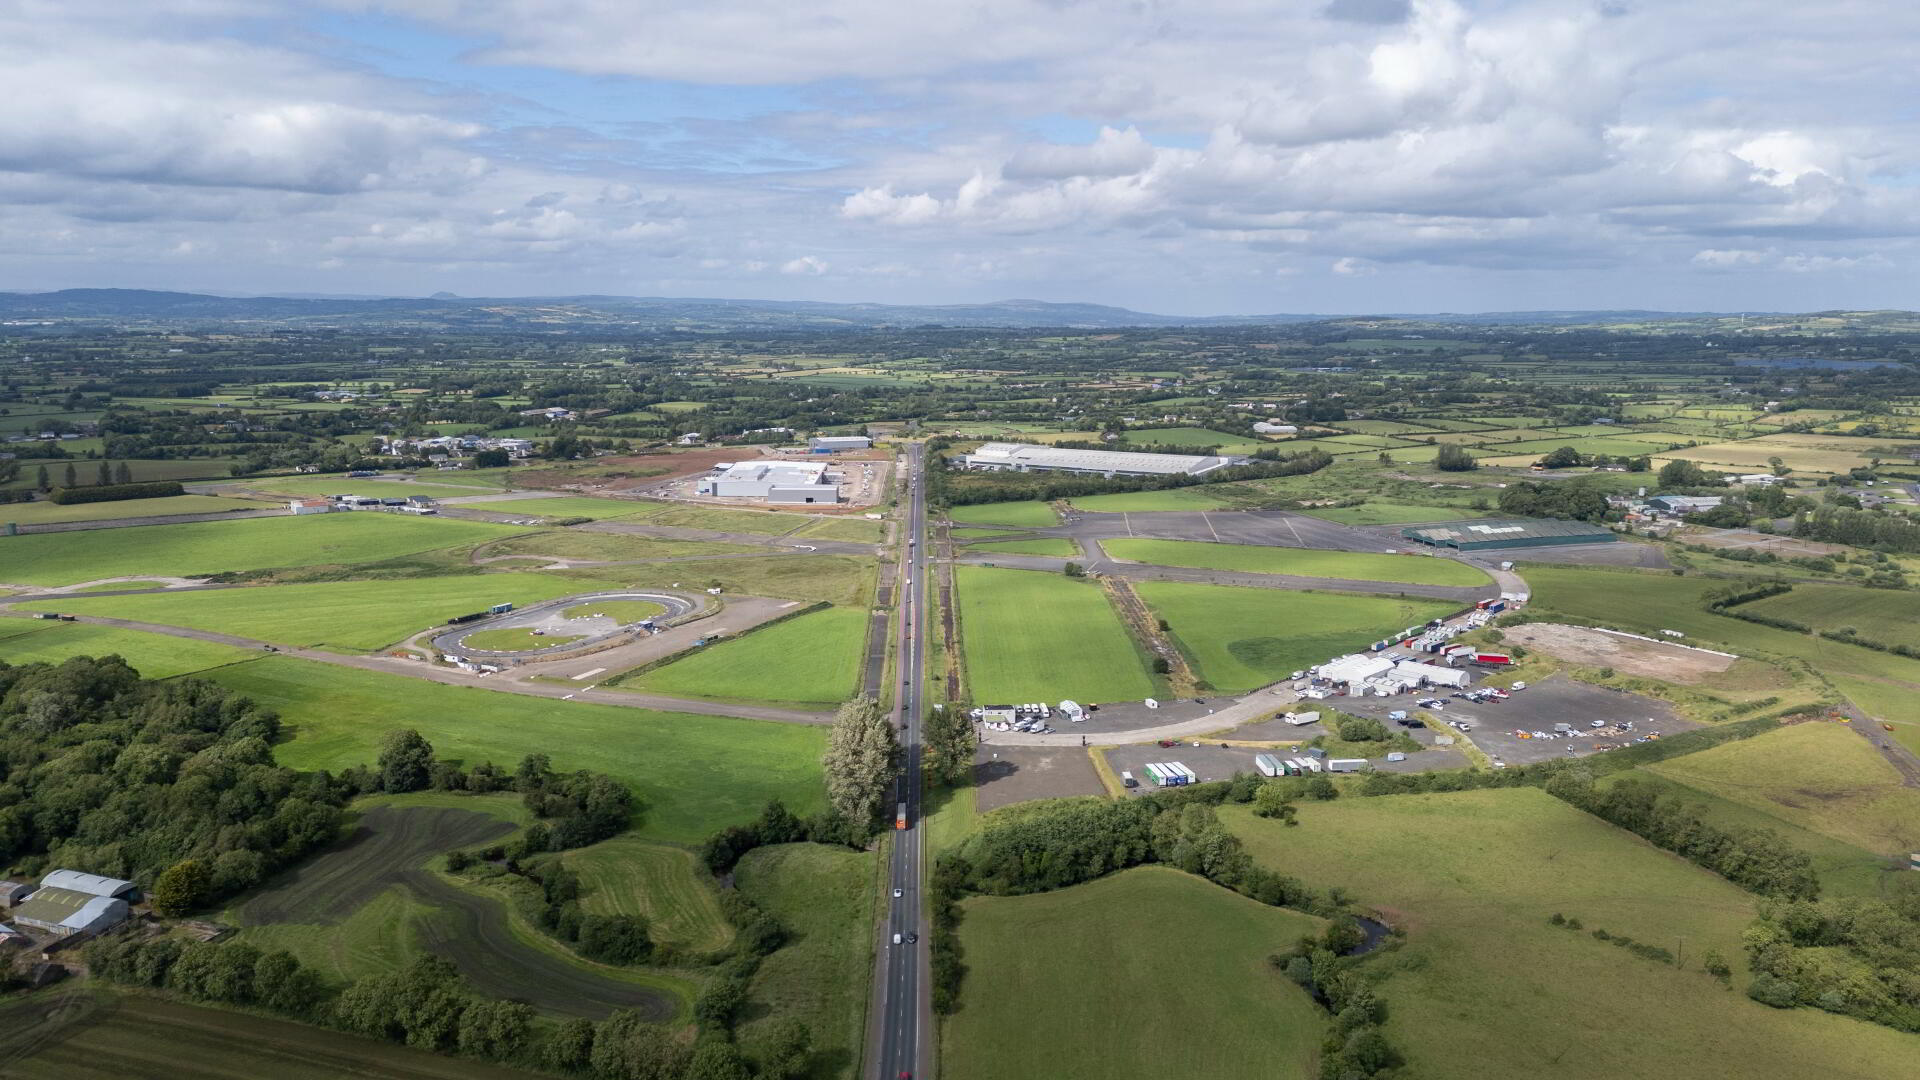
[390,846]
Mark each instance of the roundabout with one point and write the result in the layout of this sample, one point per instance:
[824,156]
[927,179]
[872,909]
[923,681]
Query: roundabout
[565,624]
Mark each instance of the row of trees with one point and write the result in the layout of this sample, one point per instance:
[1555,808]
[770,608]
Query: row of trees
[1791,947]
[1860,528]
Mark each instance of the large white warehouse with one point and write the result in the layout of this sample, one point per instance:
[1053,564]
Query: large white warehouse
[1023,457]
[791,482]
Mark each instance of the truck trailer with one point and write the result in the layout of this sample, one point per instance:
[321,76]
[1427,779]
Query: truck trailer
[1346,764]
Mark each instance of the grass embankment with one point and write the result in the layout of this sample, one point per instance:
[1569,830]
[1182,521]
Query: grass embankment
[824,898]
[1241,638]
[1031,514]
[813,659]
[1030,636]
[1246,558]
[47,513]
[155,656]
[1147,967]
[351,615]
[1475,876]
[693,774]
[665,885]
[210,547]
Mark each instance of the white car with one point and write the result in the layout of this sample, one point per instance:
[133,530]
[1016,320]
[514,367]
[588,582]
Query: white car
[897,894]
[896,939]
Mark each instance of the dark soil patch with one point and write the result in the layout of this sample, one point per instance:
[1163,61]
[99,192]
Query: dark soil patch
[387,843]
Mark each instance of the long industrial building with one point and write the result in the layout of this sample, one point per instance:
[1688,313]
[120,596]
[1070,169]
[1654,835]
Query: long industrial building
[1491,535]
[789,482]
[1023,457]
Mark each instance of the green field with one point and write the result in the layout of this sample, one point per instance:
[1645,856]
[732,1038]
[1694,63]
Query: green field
[94,1034]
[1242,638]
[314,487]
[1883,615]
[1032,636]
[1390,513]
[1144,967]
[813,659]
[1037,515]
[837,579]
[824,898]
[1474,877]
[1143,502]
[693,774]
[606,547]
[43,512]
[850,529]
[665,885]
[1052,546]
[212,547]
[620,611]
[353,615]
[564,506]
[155,656]
[116,586]
[1191,436]
[722,519]
[515,639]
[1252,559]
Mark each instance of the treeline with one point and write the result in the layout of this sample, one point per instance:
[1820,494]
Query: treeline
[105,772]
[576,808]
[951,487]
[156,489]
[1568,501]
[1859,528]
[1791,947]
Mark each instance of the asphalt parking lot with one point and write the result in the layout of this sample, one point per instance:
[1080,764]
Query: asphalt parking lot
[1004,775]
[1557,700]
[1207,759]
[1127,716]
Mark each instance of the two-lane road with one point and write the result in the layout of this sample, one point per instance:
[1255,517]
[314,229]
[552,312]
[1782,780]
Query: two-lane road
[902,1005]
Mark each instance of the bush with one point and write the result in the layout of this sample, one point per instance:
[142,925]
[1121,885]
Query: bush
[157,489]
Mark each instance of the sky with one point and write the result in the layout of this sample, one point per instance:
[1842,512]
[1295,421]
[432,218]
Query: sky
[1192,157]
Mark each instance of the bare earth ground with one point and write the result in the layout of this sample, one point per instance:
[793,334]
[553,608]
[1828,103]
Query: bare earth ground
[1004,775]
[1630,656]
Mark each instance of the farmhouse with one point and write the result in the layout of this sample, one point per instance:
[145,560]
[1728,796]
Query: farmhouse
[793,483]
[1022,457]
[1489,535]
[833,444]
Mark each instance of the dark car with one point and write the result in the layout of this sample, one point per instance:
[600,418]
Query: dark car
[1168,742]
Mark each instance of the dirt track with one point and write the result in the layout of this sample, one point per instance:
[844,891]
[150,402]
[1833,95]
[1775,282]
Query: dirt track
[391,847]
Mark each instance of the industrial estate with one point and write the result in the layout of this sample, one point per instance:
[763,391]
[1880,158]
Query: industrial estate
[391,697]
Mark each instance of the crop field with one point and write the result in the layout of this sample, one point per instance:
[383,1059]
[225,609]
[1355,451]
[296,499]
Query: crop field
[606,547]
[1390,513]
[566,506]
[155,656]
[846,580]
[44,513]
[813,659]
[1820,777]
[212,547]
[1075,984]
[1254,559]
[1800,453]
[1143,502]
[1882,615]
[693,774]
[667,886]
[824,897]
[357,616]
[1475,875]
[1051,546]
[90,1034]
[1031,636]
[386,856]
[1026,514]
[1242,638]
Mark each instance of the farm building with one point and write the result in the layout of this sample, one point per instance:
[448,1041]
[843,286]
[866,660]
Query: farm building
[833,444]
[310,506]
[91,884]
[12,892]
[1684,504]
[67,912]
[1022,457]
[1265,428]
[775,481]
[1489,535]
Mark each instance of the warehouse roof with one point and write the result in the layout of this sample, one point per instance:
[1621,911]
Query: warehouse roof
[1049,457]
[91,884]
[1480,532]
[68,908]
[783,473]
[1353,669]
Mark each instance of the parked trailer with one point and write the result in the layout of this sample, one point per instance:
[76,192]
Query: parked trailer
[1268,765]
[499,609]
[1307,765]
[1186,775]
[1493,658]
[1346,764]
[1301,719]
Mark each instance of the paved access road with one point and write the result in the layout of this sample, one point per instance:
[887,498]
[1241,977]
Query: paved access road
[901,1020]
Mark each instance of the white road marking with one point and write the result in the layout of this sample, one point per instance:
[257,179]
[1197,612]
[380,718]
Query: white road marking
[788,604]
[1209,521]
[566,697]
[588,674]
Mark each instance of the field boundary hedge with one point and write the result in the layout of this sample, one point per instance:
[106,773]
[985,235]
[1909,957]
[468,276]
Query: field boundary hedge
[153,489]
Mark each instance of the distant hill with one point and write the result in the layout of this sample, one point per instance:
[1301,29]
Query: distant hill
[445,310]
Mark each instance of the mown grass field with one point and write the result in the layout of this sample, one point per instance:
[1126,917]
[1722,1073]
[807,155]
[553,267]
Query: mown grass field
[621,611]
[1142,502]
[824,898]
[1821,777]
[606,547]
[1051,546]
[515,639]
[439,486]
[565,506]
[1147,968]
[85,1033]
[353,615]
[1474,877]
[1390,513]
[850,529]
[211,547]
[812,660]
[1032,514]
[44,513]
[665,885]
[1032,636]
[722,519]
[1884,615]
[693,774]
[838,579]
[1242,638]
[1253,559]
[155,656]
